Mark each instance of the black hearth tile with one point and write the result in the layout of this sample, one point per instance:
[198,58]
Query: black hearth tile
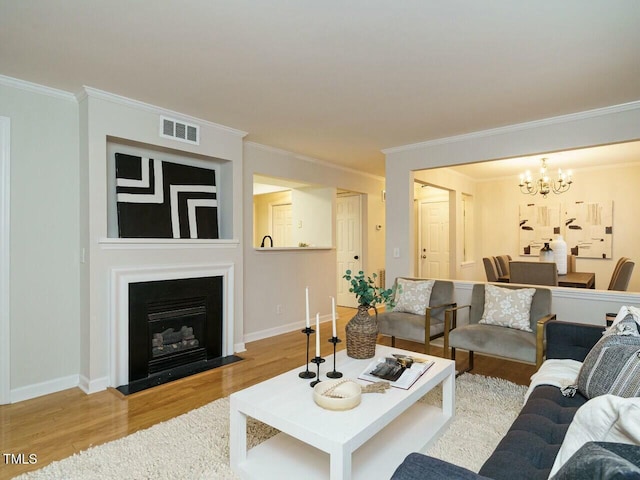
[176,374]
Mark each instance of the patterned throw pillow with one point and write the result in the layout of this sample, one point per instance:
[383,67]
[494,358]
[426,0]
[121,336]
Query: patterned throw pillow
[413,296]
[507,307]
[613,364]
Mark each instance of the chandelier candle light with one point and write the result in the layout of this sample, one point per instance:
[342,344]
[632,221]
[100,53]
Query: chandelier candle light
[545,185]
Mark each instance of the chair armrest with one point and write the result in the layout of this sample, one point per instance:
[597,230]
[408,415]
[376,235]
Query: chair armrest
[427,324]
[540,337]
[450,322]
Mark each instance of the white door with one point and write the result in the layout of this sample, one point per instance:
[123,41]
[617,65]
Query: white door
[348,245]
[281,225]
[434,240]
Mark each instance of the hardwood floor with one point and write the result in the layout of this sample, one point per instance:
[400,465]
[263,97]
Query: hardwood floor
[56,426]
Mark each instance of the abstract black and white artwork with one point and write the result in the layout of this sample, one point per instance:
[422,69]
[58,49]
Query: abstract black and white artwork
[538,223]
[589,229]
[158,199]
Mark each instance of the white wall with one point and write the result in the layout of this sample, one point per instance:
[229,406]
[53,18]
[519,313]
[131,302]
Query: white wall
[599,127]
[312,212]
[45,251]
[274,277]
[104,116]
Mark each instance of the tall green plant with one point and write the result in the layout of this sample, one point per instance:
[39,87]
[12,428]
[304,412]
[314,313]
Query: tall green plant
[366,290]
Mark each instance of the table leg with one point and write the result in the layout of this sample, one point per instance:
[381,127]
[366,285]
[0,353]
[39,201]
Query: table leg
[449,394]
[237,437]
[340,464]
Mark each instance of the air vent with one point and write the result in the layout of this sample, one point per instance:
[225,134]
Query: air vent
[179,130]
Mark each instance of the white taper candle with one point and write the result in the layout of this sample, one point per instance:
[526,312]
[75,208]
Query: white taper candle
[318,334]
[333,316]
[307,305]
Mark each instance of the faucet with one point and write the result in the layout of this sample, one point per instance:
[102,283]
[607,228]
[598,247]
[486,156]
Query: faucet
[264,238]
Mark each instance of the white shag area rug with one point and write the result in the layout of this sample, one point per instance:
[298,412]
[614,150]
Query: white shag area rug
[195,445]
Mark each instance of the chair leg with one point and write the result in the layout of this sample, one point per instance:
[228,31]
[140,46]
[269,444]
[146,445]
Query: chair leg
[470,366]
[393,341]
[452,356]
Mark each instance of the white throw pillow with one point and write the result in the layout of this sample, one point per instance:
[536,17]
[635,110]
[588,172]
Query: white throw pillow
[413,295]
[507,307]
[607,418]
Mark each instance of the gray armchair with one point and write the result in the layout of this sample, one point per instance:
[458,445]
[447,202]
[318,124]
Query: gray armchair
[519,345]
[420,328]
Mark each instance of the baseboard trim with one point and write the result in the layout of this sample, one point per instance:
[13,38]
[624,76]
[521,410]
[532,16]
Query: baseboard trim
[45,388]
[93,386]
[290,327]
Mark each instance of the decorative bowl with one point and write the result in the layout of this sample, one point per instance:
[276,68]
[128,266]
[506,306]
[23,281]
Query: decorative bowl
[341,394]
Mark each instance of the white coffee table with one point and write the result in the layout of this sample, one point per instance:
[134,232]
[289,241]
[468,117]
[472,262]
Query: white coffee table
[367,442]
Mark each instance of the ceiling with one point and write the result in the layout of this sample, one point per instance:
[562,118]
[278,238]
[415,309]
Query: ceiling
[335,80]
[574,160]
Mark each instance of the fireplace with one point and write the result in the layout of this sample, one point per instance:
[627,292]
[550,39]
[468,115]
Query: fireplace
[175,329]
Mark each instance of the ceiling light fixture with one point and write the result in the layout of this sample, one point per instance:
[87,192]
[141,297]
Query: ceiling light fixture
[544,185]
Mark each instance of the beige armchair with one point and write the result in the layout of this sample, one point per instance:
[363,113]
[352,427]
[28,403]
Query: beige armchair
[519,345]
[424,327]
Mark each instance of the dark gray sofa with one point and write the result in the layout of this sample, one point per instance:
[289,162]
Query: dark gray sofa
[529,448]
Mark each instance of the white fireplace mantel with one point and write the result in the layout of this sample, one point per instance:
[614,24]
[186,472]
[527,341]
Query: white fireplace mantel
[119,307]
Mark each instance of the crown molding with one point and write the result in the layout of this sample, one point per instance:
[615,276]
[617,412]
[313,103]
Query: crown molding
[36,88]
[90,92]
[304,158]
[517,127]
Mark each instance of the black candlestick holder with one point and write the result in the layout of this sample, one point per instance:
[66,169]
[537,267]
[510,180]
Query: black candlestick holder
[334,373]
[317,361]
[307,374]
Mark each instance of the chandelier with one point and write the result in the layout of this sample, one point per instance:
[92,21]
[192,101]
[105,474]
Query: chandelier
[545,185]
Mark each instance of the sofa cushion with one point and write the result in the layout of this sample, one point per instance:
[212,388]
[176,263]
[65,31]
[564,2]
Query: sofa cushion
[500,341]
[407,325]
[412,296]
[419,467]
[606,418]
[507,307]
[602,460]
[530,446]
[613,364]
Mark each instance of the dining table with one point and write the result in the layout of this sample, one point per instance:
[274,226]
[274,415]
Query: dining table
[570,279]
[577,280]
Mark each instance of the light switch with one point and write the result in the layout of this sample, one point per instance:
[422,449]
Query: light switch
[396,252]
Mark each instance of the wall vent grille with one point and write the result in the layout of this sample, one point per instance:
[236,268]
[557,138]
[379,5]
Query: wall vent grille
[179,130]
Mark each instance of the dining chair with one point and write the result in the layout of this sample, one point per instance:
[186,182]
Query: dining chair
[491,269]
[503,264]
[534,273]
[621,274]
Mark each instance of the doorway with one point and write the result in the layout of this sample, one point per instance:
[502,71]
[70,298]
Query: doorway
[433,233]
[281,225]
[348,243]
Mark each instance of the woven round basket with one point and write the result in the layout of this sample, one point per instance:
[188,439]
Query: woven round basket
[362,334]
